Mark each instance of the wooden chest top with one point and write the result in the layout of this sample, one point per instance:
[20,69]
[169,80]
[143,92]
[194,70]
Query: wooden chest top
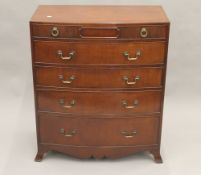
[70,14]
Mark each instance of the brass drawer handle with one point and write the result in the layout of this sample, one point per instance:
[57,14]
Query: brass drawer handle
[125,104]
[69,81]
[70,133]
[70,55]
[143,32]
[128,134]
[55,32]
[71,104]
[127,55]
[136,78]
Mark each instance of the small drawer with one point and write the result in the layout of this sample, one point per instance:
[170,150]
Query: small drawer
[99,102]
[55,129]
[131,32]
[72,77]
[99,53]
[55,31]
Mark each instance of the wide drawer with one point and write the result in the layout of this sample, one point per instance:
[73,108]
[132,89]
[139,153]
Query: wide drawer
[72,77]
[99,102]
[98,131]
[134,32]
[104,53]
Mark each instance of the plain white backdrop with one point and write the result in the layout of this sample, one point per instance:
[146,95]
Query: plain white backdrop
[181,137]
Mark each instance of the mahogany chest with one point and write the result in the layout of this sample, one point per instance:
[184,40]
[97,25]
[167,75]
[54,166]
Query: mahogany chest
[99,79]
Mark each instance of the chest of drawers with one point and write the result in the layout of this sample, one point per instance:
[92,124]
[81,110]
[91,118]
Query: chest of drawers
[99,79]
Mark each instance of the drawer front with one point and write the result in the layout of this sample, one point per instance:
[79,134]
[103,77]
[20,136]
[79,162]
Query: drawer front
[98,131]
[90,53]
[98,77]
[99,102]
[141,32]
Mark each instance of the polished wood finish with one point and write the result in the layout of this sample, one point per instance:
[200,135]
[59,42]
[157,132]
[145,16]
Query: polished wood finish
[99,14]
[85,107]
[98,152]
[99,102]
[102,78]
[113,32]
[99,131]
[99,53]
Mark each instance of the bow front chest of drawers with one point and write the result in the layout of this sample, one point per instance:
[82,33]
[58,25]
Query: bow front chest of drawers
[99,79]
